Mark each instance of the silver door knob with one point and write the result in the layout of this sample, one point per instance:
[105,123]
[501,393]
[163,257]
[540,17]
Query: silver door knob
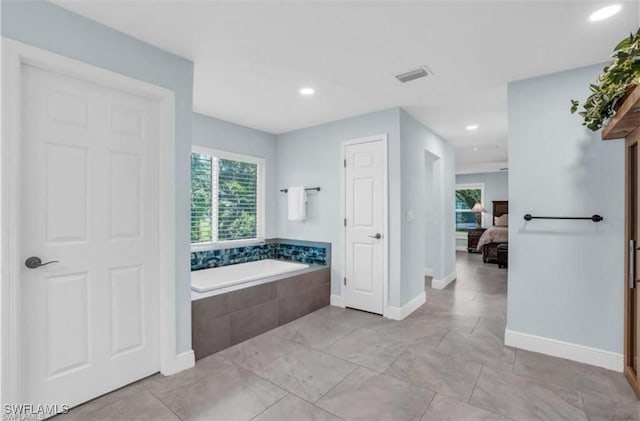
[35,262]
[377,236]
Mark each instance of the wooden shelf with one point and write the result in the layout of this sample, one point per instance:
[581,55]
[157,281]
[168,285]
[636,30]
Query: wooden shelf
[626,120]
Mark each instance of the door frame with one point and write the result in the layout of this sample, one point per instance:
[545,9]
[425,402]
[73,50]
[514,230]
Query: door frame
[631,140]
[385,228]
[14,55]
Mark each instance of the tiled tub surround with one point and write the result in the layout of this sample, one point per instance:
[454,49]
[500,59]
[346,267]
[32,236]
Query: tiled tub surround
[296,250]
[223,320]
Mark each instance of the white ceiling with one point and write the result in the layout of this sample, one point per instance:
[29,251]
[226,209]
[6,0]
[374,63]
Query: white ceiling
[251,57]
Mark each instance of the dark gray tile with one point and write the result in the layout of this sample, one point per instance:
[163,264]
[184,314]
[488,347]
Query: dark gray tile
[368,395]
[210,334]
[250,297]
[252,321]
[292,307]
[293,286]
[210,307]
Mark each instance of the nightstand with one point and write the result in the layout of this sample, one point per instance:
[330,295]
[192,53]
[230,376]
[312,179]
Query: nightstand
[473,236]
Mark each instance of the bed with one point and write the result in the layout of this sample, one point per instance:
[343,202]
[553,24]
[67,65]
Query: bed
[497,234]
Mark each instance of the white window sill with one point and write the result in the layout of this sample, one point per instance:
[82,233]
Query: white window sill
[226,244]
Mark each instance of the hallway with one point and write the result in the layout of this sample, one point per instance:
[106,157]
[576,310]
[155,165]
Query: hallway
[445,361]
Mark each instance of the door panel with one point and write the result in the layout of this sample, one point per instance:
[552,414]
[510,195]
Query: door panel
[89,174]
[365,213]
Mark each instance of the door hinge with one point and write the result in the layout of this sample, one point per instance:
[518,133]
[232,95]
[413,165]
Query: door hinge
[345,222]
[345,280]
[345,163]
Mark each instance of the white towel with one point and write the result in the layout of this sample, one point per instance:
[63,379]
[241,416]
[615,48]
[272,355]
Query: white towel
[297,198]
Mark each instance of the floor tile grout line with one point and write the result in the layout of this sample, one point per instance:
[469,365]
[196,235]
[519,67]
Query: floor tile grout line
[333,387]
[429,406]
[476,325]
[270,406]
[442,339]
[163,403]
[475,384]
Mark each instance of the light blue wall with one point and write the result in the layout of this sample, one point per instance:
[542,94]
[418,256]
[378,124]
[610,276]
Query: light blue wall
[496,187]
[311,157]
[417,140]
[52,28]
[222,135]
[565,277]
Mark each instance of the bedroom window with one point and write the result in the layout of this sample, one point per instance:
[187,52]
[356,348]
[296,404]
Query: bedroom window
[227,198]
[468,195]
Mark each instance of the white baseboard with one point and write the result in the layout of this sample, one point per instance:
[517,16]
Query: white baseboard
[185,360]
[461,248]
[442,283]
[566,350]
[399,313]
[428,271]
[336,301]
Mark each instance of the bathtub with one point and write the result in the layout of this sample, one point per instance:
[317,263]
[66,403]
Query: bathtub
[221,278]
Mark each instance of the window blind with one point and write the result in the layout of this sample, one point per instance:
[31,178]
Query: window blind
[201,198]
[237,200]
[225,199]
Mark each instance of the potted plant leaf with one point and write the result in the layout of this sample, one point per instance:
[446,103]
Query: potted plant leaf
[613,85]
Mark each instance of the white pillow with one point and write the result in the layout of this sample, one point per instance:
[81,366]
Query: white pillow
[501,221]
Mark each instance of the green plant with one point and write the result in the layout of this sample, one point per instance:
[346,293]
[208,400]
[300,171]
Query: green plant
[612,85]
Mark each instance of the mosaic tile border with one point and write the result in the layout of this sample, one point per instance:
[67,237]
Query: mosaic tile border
[295,250]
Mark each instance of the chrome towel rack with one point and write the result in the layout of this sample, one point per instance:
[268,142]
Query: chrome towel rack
[594,218]
[306,189]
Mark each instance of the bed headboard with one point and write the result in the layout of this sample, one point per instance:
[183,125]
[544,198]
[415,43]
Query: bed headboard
[500,207]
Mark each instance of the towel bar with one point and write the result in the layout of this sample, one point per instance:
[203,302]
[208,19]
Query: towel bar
[306,188]
[594,218]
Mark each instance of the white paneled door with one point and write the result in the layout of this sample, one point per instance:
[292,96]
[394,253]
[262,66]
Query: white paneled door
[365,174]
[89,177]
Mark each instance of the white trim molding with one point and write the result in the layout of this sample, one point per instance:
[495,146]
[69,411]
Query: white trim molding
[442,283]
[567,350]
[336,300]
[185,360]
[399,313]
[461,248]
[14,56]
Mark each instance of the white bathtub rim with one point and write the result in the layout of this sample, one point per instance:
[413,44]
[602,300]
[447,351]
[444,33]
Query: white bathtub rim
[263,280]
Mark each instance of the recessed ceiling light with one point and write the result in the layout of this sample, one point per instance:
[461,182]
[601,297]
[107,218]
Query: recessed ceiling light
[605,12]
[472,127]
[475,149]
[307,91]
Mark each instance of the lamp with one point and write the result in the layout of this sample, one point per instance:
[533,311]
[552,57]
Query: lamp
[478,209]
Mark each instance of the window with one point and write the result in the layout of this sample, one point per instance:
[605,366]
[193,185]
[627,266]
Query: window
[227,197]
[468,195]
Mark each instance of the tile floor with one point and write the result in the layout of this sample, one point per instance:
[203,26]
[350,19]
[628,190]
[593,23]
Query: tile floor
[445,361]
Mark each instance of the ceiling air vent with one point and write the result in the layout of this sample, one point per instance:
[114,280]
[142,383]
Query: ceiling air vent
[414,74]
